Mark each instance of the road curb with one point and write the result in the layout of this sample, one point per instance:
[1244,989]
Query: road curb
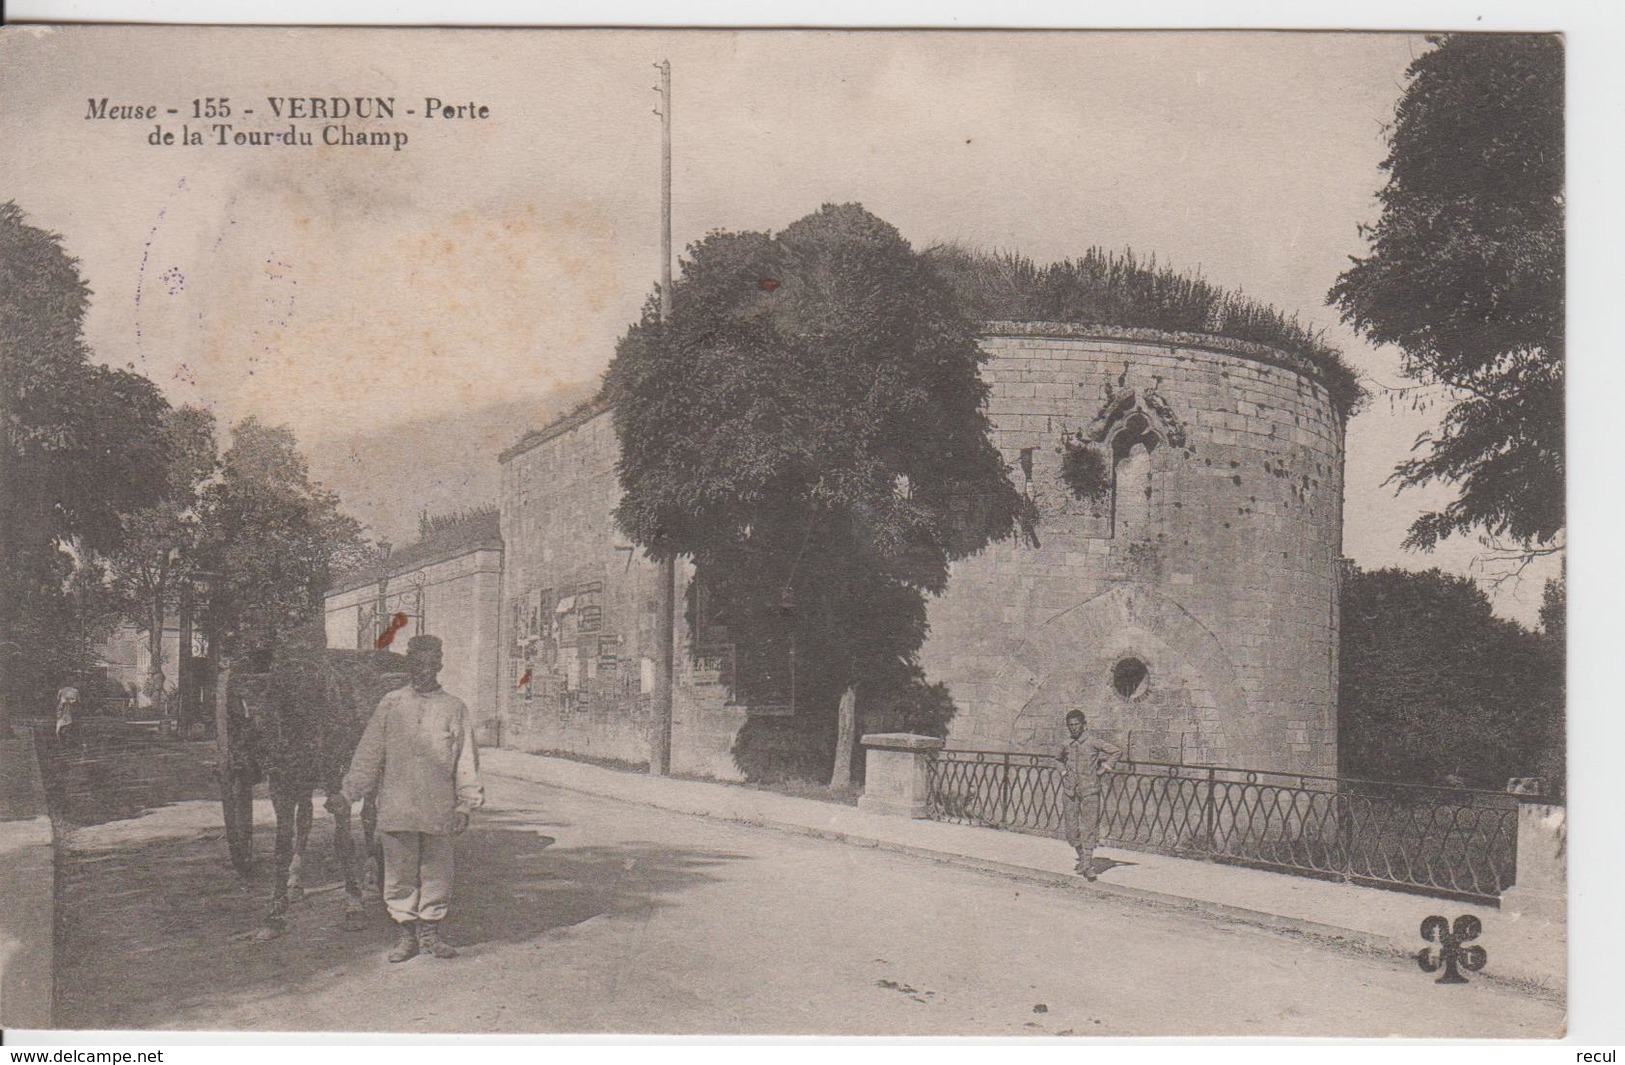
[28,884]
[1349,939]
[1367,941]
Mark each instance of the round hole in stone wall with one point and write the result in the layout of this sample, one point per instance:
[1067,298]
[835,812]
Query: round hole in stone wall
[1131,677]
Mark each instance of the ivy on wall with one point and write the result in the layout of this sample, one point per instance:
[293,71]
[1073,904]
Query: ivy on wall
[1084,469]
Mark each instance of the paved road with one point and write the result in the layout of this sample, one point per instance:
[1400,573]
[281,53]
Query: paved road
[587,915]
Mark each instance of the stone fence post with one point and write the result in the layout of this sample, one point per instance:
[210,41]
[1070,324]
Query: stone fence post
[1541,887]
[897,773]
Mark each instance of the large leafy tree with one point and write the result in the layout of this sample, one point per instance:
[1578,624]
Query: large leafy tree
[82,448]
[160,544]
[1434,685]
[274,537]
[808,427]
[1465,276]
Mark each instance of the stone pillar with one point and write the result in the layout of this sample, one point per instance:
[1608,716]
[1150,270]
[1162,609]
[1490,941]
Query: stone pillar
[897,775]
[1541,887]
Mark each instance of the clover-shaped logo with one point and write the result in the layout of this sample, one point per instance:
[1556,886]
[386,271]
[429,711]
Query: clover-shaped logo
[1450,953]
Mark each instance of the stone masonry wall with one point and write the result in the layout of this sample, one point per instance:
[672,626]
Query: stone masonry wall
[456,600]
[578,616]
[1213,561]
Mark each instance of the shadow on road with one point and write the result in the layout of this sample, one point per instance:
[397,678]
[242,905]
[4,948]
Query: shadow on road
[513,886]
[112,770]
[147,930]
[17,798]
[150,910]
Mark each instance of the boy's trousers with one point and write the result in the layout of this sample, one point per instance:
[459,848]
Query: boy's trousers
[417,875]
[1080,816]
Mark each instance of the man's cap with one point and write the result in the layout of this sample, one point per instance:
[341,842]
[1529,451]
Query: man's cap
[423,643]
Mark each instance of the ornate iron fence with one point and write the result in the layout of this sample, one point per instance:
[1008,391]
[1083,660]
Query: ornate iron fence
[1448,841]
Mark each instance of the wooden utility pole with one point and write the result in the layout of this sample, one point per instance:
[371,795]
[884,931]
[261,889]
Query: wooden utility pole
[666,590]
[665,190]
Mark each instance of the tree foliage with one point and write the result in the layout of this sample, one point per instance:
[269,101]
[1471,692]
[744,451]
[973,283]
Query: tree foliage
[1554,608]
[158,551]
[110,496]
[808,427]
[82,448]
[1465,276]
[1433,684]
[275,538]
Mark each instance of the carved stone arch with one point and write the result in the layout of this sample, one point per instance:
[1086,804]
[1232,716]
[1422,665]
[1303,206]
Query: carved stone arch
[1195,688]
[1137,428]
[1130,430]
[1141,413]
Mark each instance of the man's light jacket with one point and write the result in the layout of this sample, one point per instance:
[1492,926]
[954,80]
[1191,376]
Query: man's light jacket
[418,758]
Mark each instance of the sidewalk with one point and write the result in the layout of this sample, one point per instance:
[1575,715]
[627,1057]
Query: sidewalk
[1525,951]
[27,886]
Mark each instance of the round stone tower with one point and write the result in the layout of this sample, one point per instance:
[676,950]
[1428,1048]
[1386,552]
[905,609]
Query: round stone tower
[1179,579]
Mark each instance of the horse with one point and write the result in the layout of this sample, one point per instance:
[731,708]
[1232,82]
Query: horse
[304,718]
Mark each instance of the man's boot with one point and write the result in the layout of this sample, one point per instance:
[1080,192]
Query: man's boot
[1086,865]
[429,941]
[406,941]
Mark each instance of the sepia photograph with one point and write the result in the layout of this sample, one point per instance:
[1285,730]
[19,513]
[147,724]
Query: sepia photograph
[783,532]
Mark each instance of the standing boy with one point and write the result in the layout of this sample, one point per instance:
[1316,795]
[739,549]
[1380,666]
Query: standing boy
[418,759]
[1083,759]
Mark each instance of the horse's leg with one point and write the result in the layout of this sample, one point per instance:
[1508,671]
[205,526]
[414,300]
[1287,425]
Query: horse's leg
[339,807]
[301,838]
[375,849]
[285,801]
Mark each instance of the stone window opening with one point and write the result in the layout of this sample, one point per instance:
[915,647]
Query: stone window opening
[1131,448]
[1028,516]
[1131,677]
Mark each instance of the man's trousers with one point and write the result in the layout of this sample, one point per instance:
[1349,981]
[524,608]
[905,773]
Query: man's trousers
[417,875]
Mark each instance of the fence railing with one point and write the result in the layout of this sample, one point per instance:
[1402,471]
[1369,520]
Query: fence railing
[1449,841]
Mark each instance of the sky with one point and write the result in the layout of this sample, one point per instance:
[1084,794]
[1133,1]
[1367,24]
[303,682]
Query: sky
[345,290]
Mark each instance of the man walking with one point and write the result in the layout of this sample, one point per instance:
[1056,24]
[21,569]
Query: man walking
[67,701]
[1083,759]
[418,759]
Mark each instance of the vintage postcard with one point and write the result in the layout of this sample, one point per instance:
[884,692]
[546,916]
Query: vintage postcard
[712,532]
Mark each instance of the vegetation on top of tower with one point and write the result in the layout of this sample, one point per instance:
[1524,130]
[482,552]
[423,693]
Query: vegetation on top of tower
[1107,288]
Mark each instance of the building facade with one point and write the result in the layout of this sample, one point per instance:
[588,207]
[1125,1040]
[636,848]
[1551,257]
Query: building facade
[578,614]
[125,658]
[1179,584]
[446,585]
